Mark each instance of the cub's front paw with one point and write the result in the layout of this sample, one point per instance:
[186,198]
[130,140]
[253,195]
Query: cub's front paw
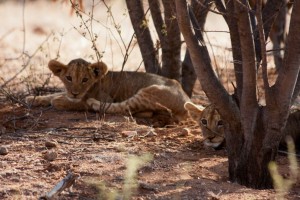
[37,101]
[94,104]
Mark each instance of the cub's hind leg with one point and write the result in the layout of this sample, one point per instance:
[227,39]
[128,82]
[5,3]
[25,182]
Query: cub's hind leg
[147,99]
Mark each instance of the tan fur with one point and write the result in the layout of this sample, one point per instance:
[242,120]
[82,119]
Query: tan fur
[89,86]
[209,121]
[213,131]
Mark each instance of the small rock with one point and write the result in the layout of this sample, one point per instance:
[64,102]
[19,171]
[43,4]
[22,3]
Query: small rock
[147,186]
[50,156]
[3,151]
[50,144]
[129,133]
[185,132]
[150,133]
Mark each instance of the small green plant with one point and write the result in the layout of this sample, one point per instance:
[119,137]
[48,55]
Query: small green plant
[134,163]
[282,185]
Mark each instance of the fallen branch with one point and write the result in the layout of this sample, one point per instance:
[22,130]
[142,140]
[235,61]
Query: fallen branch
[65,183]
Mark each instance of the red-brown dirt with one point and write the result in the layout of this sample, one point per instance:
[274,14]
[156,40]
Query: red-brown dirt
[97,150]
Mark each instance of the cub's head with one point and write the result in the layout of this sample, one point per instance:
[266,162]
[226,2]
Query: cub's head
[210,123]
[78,76]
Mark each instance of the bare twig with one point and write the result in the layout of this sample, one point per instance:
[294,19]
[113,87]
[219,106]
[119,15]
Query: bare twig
[65,183]
[10,31]
[25,65]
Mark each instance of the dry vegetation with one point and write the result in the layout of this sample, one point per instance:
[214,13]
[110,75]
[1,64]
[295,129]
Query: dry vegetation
[41,145]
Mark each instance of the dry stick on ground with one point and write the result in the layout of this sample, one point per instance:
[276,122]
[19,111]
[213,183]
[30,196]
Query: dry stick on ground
[65,183]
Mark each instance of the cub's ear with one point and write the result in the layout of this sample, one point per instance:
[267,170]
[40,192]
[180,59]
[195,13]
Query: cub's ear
[194,110]
[56,67]
[99,69]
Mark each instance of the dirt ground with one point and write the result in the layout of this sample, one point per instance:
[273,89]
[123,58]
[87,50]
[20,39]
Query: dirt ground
[97,151]
[44,145]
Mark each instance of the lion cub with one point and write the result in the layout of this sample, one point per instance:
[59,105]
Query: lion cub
[210,122]
[93,87]
[212,125]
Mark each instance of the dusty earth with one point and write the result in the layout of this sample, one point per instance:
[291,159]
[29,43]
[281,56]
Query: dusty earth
[43,145]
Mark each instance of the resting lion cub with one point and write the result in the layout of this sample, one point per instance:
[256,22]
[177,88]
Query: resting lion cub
[210,123]
[88,85]
[212,127]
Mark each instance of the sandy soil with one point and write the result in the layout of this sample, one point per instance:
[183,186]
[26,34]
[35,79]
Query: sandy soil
[97,150]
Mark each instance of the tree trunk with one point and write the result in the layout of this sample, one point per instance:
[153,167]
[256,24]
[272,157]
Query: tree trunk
[139,23]
[248,160]
[252,133]
[189,76]
[230,18]
[169,35]
[171,47]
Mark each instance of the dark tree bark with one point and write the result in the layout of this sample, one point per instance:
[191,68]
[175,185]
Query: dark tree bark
[274,17]
[200,58]
[252,132]
[149,54]
[189,76]
[200,9]
[171,45]
[231,21]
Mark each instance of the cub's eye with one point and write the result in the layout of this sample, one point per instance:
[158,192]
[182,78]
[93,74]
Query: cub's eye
[204,122]
[84,80]
[220,123]
[69,78]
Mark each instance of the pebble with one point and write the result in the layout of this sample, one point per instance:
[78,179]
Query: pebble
[3,151]
[50,156]
[185,132]
[129,133]
[50,144]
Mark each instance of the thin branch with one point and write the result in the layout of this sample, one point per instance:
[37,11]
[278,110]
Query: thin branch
[220,6]
[269,14]
[263,49]
[92,35]
[23,24]
[28,61]
[114,22]
[7,33]
[211,10]
[157,19]
[236,48]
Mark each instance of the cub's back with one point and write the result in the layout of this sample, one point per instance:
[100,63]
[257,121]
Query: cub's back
[123,85]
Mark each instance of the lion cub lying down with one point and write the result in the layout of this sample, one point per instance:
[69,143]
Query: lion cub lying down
[89,86]
[212,125]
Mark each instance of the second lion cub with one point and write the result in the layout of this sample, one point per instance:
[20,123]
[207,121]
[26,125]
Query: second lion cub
[89,85]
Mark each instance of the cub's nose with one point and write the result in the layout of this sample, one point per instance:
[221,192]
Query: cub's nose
[75,93]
